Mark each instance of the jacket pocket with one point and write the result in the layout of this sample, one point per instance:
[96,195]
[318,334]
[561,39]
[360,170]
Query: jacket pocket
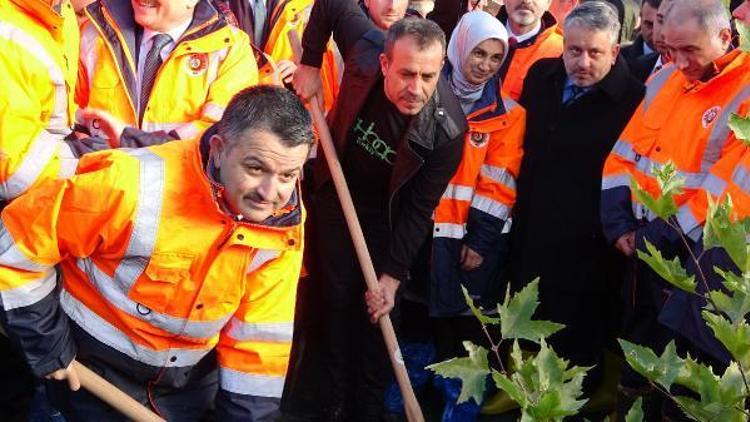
[163,276]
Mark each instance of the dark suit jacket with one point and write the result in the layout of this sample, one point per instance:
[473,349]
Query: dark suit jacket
[556,232]
[642,66]
[634,50]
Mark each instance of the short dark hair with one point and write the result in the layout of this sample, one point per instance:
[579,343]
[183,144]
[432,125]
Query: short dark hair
[269,108]
[424,31]
[653,3]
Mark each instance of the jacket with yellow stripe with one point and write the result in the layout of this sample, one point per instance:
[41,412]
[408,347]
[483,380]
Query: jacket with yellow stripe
[477,202]
[154,271]
[39,64]
[210,63]
[686,123]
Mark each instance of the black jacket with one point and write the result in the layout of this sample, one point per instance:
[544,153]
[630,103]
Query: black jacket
[634,50]
[556,231]
[432,145]
[643,66]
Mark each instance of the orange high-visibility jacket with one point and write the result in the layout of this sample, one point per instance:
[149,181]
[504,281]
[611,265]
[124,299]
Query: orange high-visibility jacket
[292,16]
[39,66]
[210,63]
[486,177]
[548,43]
[153,268]
[477,201]
[685,123]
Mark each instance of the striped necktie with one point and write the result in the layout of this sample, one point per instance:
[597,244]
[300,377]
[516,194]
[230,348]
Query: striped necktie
[259,21]
[150,69]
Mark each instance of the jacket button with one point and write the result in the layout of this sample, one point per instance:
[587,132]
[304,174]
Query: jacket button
[291,242]
[199,306]
[142,309]
[173,359]
[188,48]
[241,236]
[226,40]
[658,149]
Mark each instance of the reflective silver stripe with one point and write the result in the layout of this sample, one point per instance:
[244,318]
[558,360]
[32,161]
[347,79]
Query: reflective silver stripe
[688,223]
[260,331]
[720,131]
[250,384]
[185,130]
[188,131]
[213,111]
[147,217]
[741,178]
[714,185]
[119,299]
[453,231]
[39,154]
[68,162]
[29,293]
[656,83]
[612,182]
[458,192]
[646,165]
[508,103]
[58,120]
[215,59]
[261,257]
[108,334]
[11,256]
[500,175]
[490,206]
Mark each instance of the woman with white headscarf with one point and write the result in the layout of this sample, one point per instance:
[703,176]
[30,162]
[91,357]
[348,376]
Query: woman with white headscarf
[468,247]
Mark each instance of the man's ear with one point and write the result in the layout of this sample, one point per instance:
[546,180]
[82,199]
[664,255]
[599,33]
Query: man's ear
[615,53]
[726,37]
[218,145]
[383,63]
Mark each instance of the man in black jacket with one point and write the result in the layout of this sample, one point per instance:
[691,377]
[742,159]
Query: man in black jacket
[576,105]
[398,130]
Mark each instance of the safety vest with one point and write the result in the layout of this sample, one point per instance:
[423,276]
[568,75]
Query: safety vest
[209,64]
[153,268]
[486,176]
[549,43]
[39,64]
[686,123]
[292,16]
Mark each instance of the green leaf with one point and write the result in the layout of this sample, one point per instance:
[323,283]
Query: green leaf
[479,312]
[722,231]
[741,127]
[662,369]
[736,338]
[471,370]
[735,306]
[516,312]
[635,414]
[512,389]
[670,185]
[744,30]
[671,271]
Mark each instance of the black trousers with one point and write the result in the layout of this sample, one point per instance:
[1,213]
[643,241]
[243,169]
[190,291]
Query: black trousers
[358,364]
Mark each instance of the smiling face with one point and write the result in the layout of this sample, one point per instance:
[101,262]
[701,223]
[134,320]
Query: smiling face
[411,74]
[162,15]
[483,61]
[259,173]
[588,55]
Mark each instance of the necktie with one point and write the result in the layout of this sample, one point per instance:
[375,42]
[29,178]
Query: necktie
[574,92]
[150,68]
[259,21]
[512,42]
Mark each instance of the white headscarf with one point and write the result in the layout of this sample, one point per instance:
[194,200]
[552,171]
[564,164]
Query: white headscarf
[473,28]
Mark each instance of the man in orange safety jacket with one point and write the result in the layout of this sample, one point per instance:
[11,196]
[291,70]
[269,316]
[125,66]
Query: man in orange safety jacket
[175,260]
[533,34]
[167,68]
[682,119]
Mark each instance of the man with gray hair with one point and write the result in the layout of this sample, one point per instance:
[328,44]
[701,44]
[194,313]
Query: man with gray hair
[683,120]
[576,106]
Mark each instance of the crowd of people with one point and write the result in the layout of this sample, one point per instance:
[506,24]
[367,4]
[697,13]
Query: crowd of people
[169,222]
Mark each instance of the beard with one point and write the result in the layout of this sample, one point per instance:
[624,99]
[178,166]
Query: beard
[523,17]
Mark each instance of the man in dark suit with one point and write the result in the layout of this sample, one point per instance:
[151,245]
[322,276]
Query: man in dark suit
[577,105]
[644,42]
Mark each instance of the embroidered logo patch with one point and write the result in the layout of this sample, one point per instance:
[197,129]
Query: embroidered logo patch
[710,115]
[479,139]
[197,64]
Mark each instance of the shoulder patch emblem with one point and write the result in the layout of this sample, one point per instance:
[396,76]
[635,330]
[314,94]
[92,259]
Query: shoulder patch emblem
[478,139]
[197,64]
[709,116]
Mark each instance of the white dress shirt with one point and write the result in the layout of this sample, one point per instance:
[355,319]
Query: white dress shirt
[526,36]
